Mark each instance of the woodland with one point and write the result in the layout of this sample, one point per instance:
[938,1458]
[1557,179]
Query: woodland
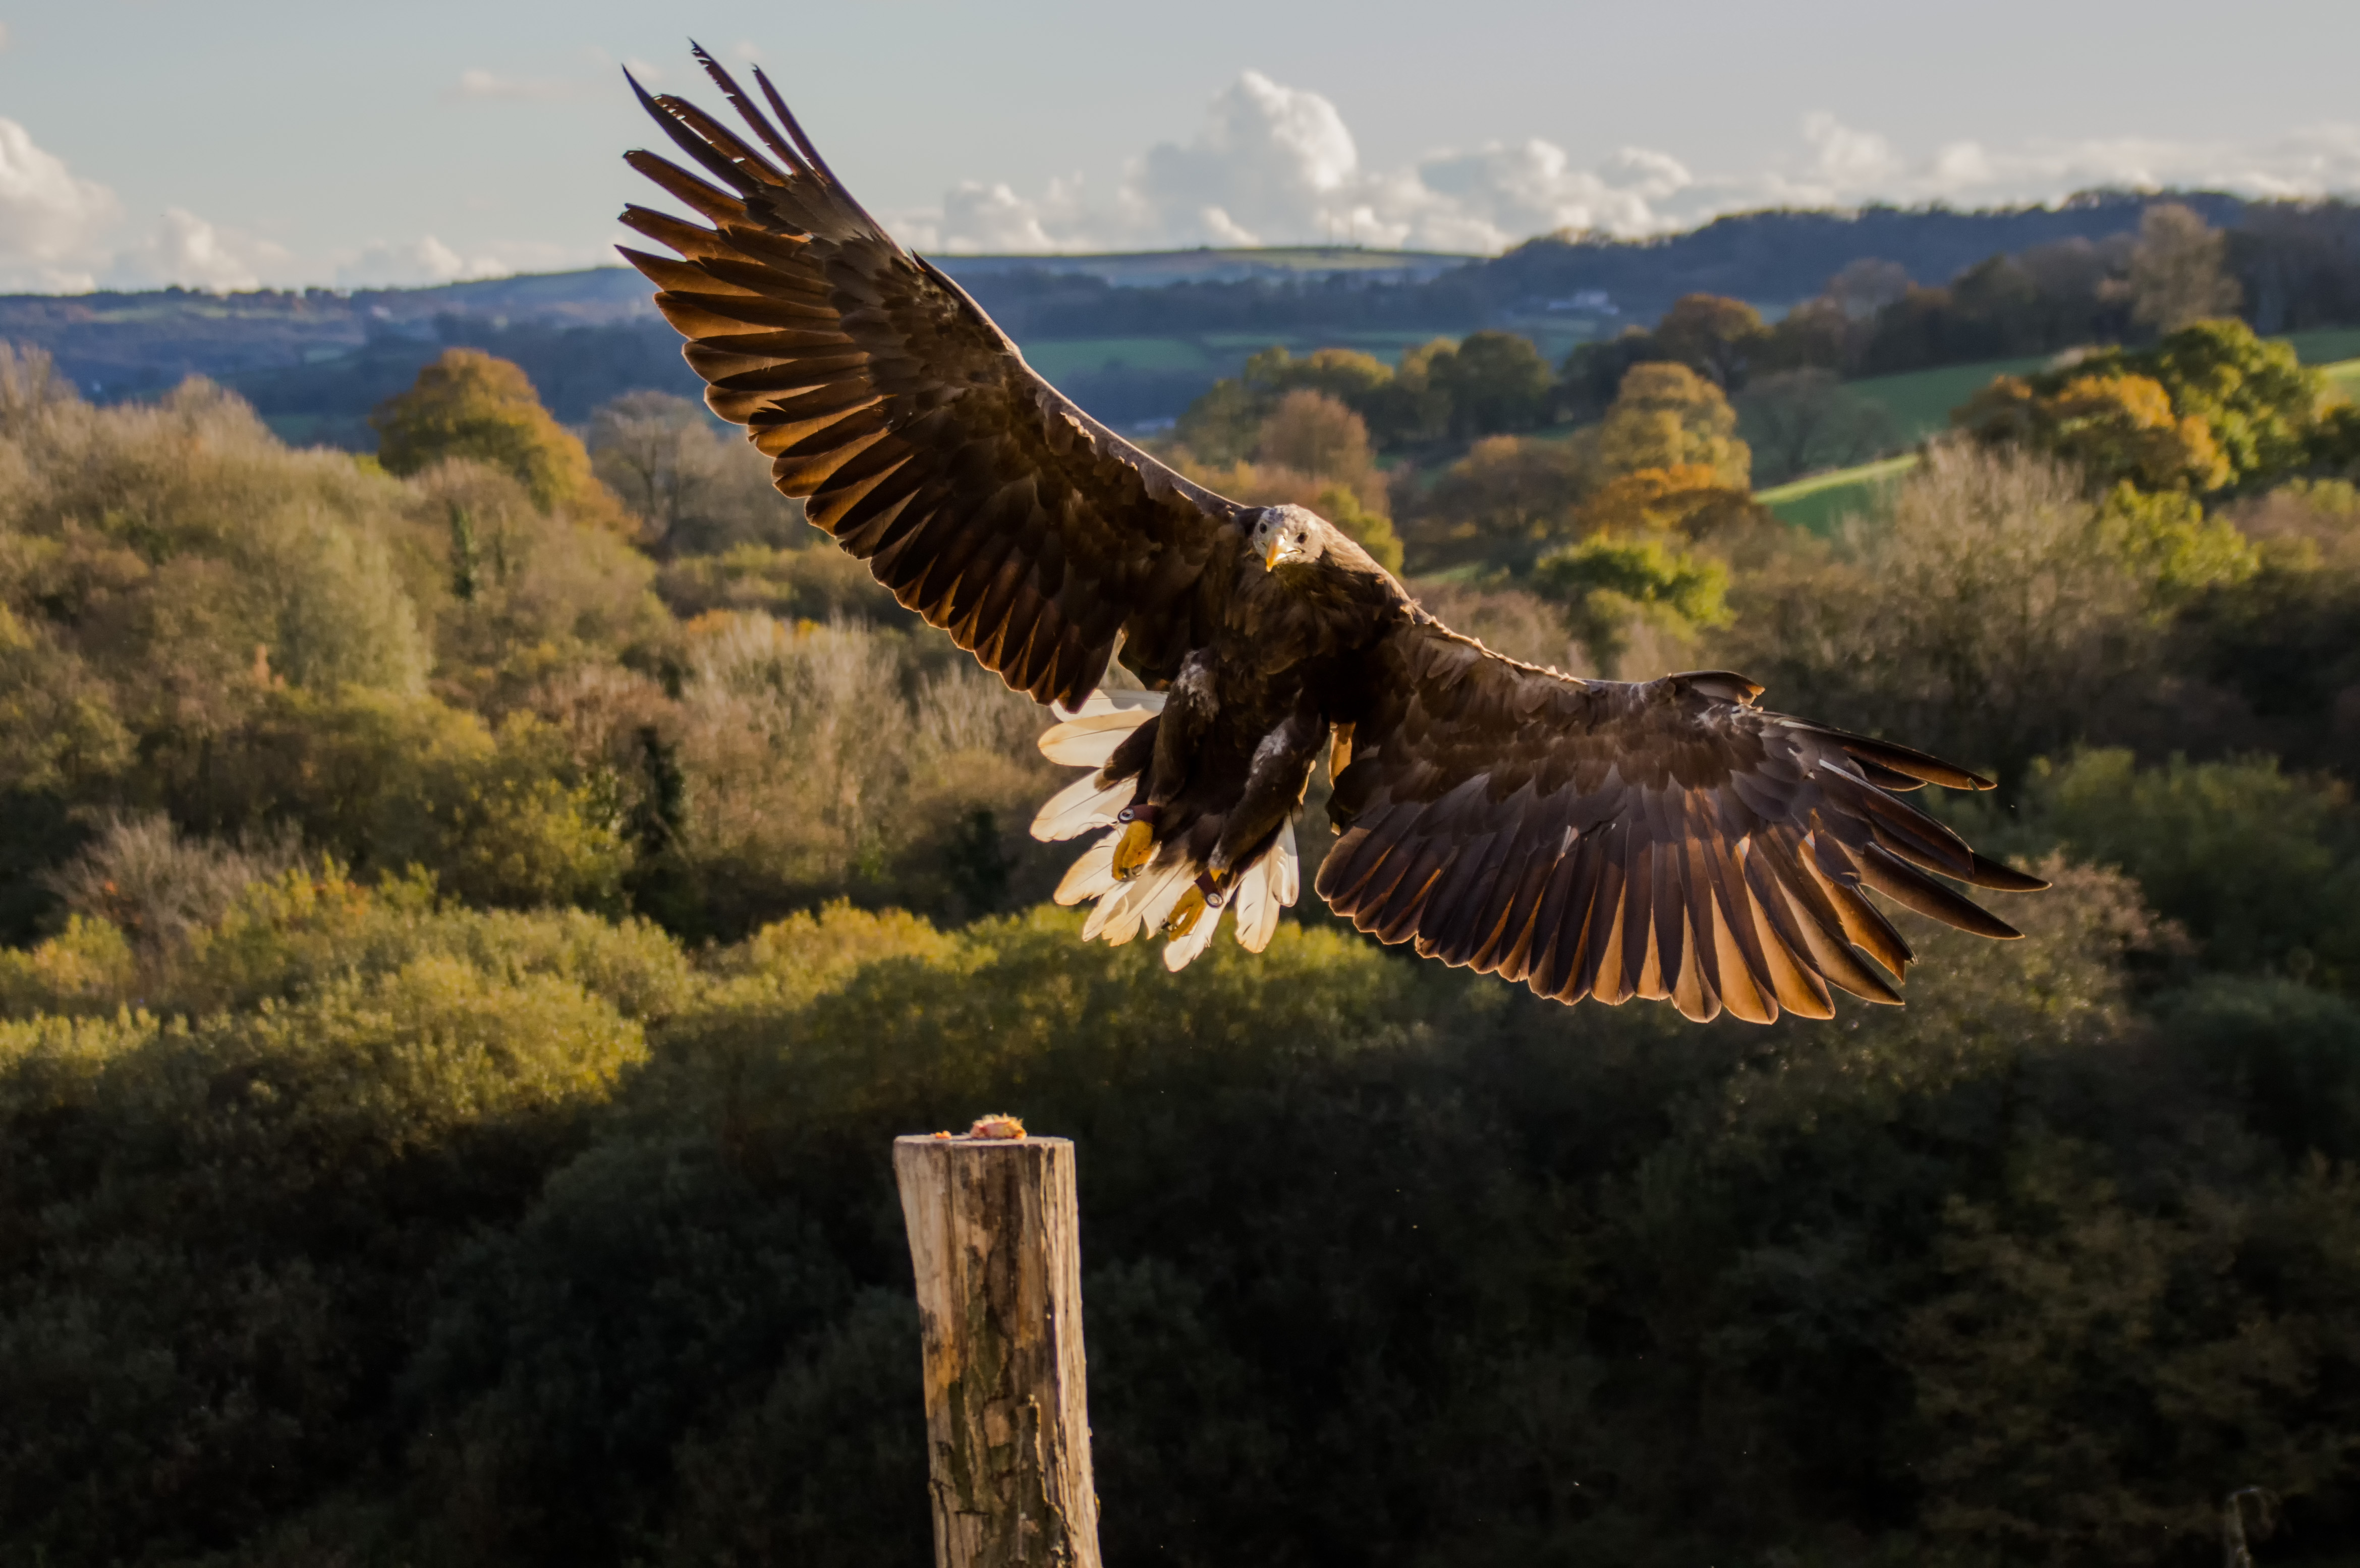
[477,913]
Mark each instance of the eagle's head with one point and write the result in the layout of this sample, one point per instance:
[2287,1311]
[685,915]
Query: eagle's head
[1289,535]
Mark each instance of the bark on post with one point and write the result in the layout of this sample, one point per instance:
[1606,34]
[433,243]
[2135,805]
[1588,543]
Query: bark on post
[995,1243]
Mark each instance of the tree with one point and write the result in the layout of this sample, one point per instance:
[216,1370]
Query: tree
[1494,383]
[1317,434]
[2119,428]
[1507,499]
[1799,421]
[1988,611]
[1311,451]
[1666,416]
[467,404]
[2260,402]
[1714,336]
[1609,581]
[697,489]
[2177,276]
[1689,499]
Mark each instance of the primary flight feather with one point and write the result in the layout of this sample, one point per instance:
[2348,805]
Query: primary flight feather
[1664,839]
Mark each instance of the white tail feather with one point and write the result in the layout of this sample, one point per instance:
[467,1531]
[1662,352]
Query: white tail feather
[1092,876]
[1087,737]
[1081,806]
[1087,742]
[1101,701]
[1257,902]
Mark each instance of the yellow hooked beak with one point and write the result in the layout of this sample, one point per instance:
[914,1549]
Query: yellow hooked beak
[1279,549]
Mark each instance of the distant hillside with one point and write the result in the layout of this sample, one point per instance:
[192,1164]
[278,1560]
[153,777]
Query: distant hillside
[1133,336]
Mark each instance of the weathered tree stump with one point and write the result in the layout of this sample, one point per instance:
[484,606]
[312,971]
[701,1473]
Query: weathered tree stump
[995,1243]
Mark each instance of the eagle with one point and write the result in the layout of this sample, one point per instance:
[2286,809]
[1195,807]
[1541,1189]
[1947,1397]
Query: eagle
[1664,839]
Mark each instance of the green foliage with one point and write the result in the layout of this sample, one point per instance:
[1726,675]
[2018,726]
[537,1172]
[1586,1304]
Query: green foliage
[2179,551]
[2256,399]
[2263,869]
[1493,381]
[1605,582]
[373,1189]
[1486,384]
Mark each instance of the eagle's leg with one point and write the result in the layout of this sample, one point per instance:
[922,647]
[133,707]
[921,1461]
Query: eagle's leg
[1279,772]
[1276,780]
[1188,709]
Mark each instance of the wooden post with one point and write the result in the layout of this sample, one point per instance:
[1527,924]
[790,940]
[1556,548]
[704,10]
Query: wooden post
[995,1243]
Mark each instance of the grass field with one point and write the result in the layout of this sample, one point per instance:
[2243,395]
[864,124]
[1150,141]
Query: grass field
[2343,379]
[1820,503]
[2326,345]
[1920,401]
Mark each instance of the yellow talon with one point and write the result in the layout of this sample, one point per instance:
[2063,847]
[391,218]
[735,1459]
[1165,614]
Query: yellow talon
[1184,913]
[1138,844]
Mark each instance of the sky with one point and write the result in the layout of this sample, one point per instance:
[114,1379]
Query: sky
[240,143]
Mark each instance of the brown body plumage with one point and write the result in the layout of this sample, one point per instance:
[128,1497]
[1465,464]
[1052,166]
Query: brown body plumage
[1665,839]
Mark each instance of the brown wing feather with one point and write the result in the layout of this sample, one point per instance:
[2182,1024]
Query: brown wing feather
[1660,839]
[910,424]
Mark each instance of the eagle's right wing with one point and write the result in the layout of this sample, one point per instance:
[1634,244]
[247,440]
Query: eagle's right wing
[984,500]
[1667,839]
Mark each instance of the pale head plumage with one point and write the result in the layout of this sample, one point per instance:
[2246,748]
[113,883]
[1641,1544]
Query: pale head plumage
[1290,536]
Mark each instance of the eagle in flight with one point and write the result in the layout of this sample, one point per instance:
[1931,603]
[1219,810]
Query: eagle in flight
[1661,839]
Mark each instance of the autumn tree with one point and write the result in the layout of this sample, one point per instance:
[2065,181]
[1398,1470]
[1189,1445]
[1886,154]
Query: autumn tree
[1311,451]
[469,405]
[2117,427]
[1510,497]
[2254,398]
[1714,336]
[1666,416]
[2178,275]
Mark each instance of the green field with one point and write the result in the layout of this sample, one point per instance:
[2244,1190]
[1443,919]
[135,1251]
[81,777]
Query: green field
[2326,345]
[1920,401]
[2343,379]
[1820,503]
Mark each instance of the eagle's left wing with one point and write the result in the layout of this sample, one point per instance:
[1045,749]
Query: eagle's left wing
[1665,839]
[920,440]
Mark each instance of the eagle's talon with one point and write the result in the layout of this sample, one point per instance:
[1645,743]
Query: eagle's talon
[1185,913]
[1130,855]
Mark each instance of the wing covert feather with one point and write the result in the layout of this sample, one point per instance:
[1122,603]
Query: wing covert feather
[1665,839]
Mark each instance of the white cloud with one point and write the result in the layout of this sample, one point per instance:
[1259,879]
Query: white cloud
[479,86]
[52,221]
[1277,165]
[1267,158]
[413,264]
[185,249]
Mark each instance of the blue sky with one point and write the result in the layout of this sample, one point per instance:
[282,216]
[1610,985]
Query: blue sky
[221,144]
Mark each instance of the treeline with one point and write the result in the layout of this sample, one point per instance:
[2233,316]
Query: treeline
[477,915]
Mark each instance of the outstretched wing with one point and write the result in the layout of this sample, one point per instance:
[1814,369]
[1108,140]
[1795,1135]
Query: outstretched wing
[1658,839]
[986,501]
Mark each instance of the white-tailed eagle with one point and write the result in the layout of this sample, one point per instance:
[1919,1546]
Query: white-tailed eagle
[1661,839]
